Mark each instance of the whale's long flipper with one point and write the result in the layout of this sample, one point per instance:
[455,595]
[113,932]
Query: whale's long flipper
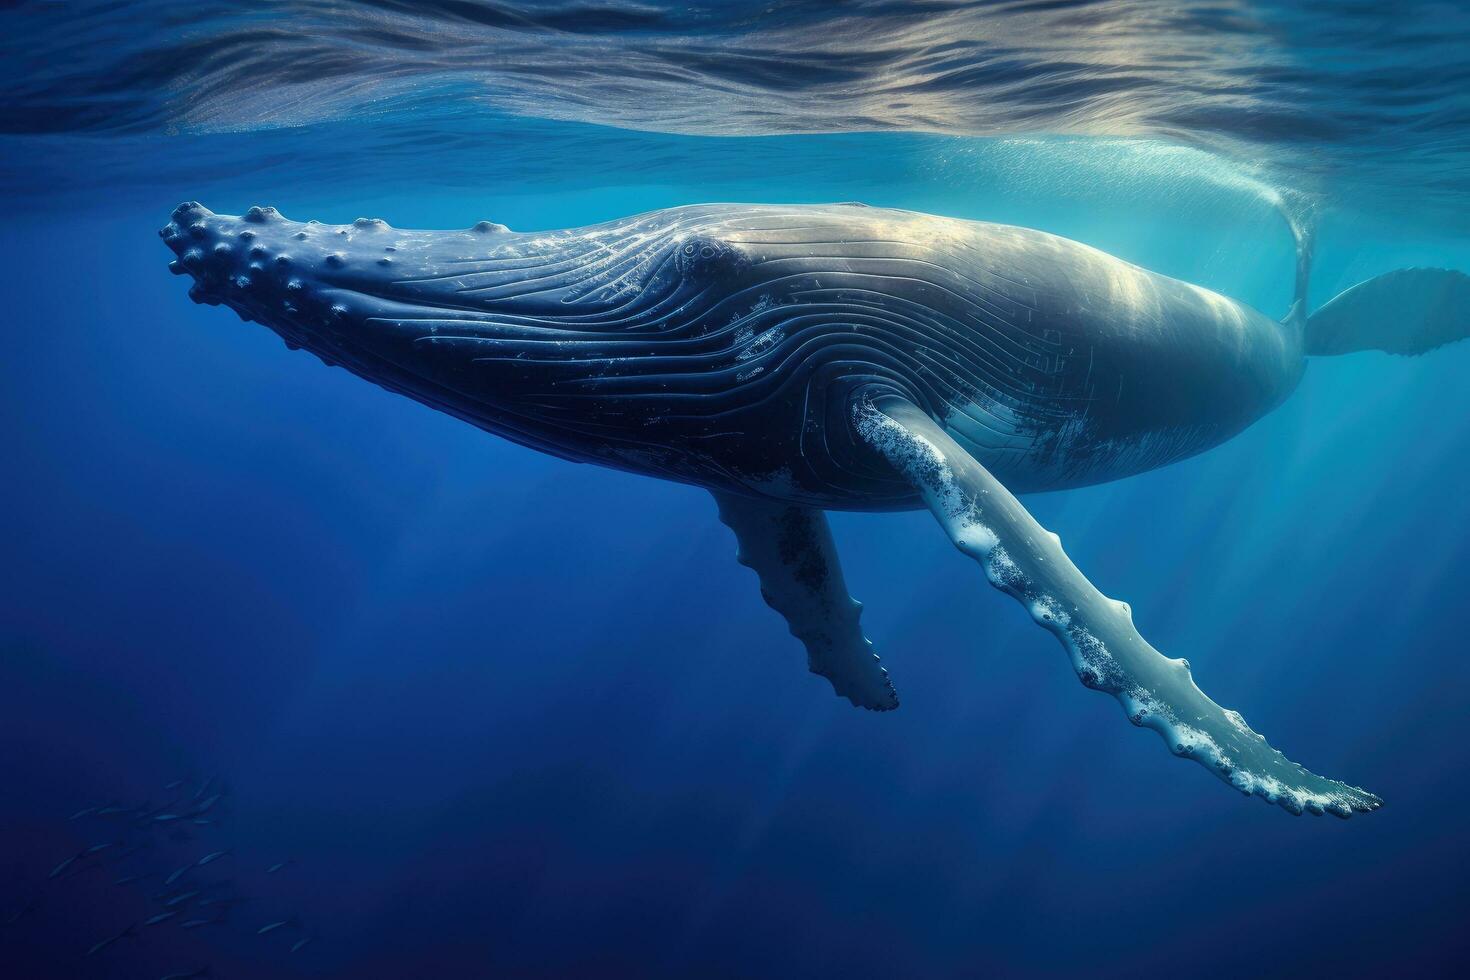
[791,550]
[1025,561]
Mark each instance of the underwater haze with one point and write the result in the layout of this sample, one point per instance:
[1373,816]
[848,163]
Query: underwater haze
[387,697]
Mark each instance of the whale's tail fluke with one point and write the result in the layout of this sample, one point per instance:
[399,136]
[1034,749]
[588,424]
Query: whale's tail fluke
[1408,311]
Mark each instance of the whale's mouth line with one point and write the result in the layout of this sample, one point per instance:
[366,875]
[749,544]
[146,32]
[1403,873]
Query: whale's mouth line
[392,309]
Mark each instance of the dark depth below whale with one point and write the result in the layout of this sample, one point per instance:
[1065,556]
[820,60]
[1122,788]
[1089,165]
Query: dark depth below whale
[792,359]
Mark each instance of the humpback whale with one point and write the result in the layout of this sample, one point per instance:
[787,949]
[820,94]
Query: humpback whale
[797,359]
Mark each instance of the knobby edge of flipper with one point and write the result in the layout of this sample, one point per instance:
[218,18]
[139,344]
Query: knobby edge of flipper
[1024,560]
[790,548]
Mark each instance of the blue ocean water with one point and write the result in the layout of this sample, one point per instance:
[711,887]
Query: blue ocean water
[497,715]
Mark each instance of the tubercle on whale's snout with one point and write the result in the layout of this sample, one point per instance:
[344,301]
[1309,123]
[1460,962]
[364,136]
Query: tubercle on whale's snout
[229,265]
[266,268]
[325,288]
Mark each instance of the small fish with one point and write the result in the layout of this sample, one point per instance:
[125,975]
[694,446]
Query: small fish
[203,788]
[203,971]
[176,784]
[112,810]
[26,910]
[147,810]
[201,808]
[177,899]
[161,917]
[273,926]
[130,932]
[208,858]
[196,923]
[56,871]
[177,874]
[298,944]
[165,817]
[276,867]
[82,813]
[129,879]
[223,901]
[97,848]
[203,821]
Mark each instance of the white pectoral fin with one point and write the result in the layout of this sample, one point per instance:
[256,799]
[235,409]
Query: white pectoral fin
[791,550]
[1026,561]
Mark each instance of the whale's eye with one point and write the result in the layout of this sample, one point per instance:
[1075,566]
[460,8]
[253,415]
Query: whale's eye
[705,254]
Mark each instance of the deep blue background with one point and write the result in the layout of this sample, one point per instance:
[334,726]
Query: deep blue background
[511,716]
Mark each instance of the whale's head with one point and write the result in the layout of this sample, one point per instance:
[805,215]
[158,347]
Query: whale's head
[631,343]
[486,324]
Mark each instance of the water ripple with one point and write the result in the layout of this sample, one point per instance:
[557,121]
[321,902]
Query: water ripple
[1366,94]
